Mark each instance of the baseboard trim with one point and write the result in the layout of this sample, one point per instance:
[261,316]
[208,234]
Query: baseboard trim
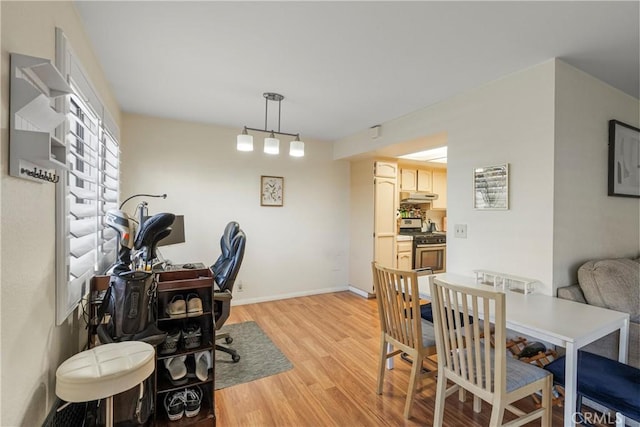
[360,292]
[242,301]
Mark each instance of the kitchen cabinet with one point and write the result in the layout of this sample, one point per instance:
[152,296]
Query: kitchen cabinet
[416,180]
[404,255]
[408,179]
[440,188]
[425,180]
[385,203]
[201,330]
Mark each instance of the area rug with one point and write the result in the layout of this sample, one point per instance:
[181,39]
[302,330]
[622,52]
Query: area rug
[259,356]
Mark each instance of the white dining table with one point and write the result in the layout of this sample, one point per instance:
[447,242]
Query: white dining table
[560,322]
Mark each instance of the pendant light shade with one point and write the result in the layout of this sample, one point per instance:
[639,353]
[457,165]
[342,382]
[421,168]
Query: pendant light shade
[296,148]
[272,144]
[244,141]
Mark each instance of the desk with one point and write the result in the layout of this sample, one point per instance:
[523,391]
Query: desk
[176,267]
[561,322]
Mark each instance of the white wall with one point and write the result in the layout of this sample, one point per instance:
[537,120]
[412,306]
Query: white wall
[297,249]
[588,224]
[507,121]
[32,346]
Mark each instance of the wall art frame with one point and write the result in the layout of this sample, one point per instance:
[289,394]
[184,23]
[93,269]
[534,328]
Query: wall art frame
[271,191]
[624,160]
[491,187]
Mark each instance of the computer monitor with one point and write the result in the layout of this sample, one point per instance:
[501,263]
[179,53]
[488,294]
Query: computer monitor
[177,233]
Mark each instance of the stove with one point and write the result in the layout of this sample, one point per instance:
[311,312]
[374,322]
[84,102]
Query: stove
[429,249]
[413,227]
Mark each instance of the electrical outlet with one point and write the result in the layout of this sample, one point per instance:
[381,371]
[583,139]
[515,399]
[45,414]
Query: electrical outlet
[460,231]
[240,289]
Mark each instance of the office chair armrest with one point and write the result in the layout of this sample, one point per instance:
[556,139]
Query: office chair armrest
[222,296]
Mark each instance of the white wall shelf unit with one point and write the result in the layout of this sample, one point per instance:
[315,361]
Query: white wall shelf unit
[34,151]
[504,281]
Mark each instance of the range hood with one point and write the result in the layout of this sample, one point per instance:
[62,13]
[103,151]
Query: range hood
[417,197]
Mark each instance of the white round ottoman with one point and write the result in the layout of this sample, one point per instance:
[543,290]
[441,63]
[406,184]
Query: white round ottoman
[104,371]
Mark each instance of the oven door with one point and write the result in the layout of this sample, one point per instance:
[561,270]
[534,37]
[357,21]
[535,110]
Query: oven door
[432,256]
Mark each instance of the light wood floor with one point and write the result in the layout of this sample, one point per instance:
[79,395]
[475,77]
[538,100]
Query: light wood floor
[332,340]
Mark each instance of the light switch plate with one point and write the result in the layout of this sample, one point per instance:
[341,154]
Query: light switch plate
[460,231]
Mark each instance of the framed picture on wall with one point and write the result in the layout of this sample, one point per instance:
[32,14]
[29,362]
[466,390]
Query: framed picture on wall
[624,160]
[491,187]
[271,190]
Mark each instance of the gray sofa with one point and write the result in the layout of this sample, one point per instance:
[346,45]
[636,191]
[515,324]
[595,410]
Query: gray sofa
[614,284]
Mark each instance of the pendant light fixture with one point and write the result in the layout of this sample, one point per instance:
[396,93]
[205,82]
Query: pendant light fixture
[271,143]
[244,141]
[296,148]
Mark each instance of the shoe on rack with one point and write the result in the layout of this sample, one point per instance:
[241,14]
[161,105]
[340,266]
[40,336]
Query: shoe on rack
[170,344]
[194,305]
[203,364]
[192,336]
[176,369]
[192,400]
[174,405]
[177,307]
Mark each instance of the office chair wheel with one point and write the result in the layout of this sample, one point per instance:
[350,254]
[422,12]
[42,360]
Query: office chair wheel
[228,340]
[235,358]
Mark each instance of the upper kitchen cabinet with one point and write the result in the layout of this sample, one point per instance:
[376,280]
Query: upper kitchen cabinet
[440,188]
[408,179]
[385,170]
[416,180]
[425,180]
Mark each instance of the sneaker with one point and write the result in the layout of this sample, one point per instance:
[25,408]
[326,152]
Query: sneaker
[192,336]
[192,400]
[174,405]
[170,344]
[194,305]
[177,307]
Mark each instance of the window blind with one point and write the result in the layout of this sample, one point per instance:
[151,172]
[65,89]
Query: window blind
[84,145]
[84,244]
[108,190]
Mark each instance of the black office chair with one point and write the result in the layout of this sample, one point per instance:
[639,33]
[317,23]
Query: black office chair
[225,270]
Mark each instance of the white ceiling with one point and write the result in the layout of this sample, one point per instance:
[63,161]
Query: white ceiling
[342,66]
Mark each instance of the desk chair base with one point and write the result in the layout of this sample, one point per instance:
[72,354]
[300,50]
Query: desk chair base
[227,339]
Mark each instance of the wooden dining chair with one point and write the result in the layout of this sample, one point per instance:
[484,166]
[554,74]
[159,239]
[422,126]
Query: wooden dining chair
[401,325]
[464,358]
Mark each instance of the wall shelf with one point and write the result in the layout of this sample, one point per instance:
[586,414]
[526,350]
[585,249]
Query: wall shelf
[504,281]
[33,149]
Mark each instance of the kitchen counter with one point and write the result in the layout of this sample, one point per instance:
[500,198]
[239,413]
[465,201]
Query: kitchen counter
[403,238]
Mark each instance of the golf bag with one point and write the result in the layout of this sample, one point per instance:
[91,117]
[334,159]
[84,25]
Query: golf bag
[130,302]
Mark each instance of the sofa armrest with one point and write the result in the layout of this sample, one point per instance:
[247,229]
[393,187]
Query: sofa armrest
[573,293]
